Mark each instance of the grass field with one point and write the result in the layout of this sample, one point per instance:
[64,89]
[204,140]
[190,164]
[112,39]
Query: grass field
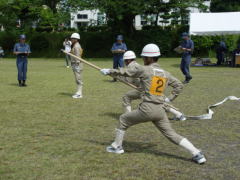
[47,135]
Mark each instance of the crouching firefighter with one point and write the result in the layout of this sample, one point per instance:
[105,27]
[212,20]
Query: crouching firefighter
[154,80]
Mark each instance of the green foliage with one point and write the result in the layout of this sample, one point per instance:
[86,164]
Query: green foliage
[39,43]
[120,14]
[52,15]
[47,44]
[98,42]
[43,13]
[225,6]
[205,44]
[202,44]
[7,41]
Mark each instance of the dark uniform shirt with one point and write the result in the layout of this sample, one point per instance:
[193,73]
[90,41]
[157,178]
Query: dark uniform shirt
[221,48]
[189,45]
[22,48]
[117,46]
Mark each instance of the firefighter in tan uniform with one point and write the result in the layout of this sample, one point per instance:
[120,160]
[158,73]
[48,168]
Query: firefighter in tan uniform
[129,59]
[77,66]
[154,81]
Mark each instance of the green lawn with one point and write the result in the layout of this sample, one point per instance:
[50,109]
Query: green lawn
[47,135]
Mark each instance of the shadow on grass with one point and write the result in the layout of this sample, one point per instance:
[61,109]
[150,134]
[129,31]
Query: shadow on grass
[137,147]
[117,115]
[65,94]
[13,84]
[109,80]
[112,115]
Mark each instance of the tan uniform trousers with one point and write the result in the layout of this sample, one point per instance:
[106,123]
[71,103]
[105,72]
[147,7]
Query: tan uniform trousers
[150,112]
[77,71]
[131,95]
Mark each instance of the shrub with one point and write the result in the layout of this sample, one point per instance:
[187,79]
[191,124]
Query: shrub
[98,41]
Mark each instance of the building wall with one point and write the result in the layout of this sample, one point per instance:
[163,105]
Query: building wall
[91,20]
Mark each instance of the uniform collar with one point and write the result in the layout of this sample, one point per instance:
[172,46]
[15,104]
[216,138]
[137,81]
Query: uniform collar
[155,65]
[77,43]
[133,62]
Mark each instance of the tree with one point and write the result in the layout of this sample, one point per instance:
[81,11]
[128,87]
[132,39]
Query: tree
[180,9]
[52,4]
[225,6]
[47,13]
[13,11]
[120,14]
[158,8]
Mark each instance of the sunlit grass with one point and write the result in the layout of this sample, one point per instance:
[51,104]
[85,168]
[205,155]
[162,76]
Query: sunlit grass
[45,134]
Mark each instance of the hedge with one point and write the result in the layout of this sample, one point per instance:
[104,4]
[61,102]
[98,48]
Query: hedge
[98,44]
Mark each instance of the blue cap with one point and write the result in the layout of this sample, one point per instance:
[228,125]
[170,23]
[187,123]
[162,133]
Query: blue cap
[185,34]
[22,36]
[120,37]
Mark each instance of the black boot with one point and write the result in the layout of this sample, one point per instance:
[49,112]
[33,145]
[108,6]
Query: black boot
[24,83]
[19,83]
[187,80]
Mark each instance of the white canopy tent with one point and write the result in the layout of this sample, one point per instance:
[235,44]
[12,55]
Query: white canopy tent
[214,23]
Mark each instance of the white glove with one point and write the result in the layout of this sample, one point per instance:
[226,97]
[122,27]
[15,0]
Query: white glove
[105,71]
[167,100]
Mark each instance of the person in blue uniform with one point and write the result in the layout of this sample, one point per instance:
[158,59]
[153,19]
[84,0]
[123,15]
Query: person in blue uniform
[118,49]
[220,51]
[187,46]
[22,50]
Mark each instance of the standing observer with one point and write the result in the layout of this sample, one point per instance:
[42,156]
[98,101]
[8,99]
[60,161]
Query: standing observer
[77,66]
[118,49]
[187,46]
[220,52]
[22,50]
[67,46]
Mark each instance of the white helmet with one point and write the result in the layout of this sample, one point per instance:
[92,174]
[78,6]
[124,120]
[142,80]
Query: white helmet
[151,50]
[75,36]
[129,55]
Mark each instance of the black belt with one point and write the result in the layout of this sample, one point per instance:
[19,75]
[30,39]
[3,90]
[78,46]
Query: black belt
[22,56]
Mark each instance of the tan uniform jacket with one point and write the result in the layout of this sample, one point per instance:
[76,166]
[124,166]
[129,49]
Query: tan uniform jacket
[134,81]
[77,51]
[146,75]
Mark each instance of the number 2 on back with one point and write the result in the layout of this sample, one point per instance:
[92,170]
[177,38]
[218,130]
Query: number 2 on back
[158,85]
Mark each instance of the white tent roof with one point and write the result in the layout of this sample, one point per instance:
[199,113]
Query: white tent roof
[214,23]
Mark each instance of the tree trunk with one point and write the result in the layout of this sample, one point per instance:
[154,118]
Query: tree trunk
[52,5]
[127,25]
[122,26]
[156,21]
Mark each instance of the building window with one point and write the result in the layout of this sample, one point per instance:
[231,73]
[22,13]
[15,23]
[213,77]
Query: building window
[82,16]
[82,24]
